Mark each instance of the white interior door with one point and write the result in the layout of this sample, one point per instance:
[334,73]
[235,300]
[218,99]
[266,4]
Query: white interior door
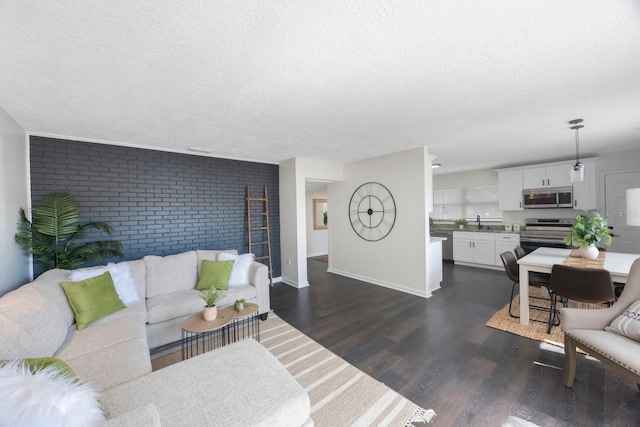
[626,238]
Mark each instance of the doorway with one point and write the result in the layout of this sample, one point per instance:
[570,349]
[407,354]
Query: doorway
[625,238]
[317,219]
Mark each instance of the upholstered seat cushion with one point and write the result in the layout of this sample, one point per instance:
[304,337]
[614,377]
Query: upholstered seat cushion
[144,416]
[240,384]
[246,292]
[111,352]
[174,304]
[102,336]
[620,349]
[114,365]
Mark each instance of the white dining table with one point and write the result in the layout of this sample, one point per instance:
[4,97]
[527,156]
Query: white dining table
[543,259]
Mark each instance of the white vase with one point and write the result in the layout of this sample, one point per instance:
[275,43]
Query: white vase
[210,313]
[589,252]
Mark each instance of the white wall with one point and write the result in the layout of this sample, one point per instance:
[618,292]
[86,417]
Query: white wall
[620,161]
[14,194]
[398,261]
[476,178]
[317,240]
[293,219]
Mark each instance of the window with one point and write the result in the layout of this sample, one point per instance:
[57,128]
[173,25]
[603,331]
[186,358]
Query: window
[466,202]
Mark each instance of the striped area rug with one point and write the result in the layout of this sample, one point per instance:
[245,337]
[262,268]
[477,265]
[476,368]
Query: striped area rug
[340,394]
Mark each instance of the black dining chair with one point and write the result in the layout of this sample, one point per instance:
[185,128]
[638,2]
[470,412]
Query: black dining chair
[519,251]
[579,284]
[535,279]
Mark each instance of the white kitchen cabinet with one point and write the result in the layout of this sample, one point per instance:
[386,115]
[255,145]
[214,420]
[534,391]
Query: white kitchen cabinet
[510,190]
[547,176]
[462,246]
[505,242]
[474,247]
[584,192]
[534,177]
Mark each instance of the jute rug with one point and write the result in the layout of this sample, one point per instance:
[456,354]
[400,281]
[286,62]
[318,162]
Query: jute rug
[534,330]
[340,394]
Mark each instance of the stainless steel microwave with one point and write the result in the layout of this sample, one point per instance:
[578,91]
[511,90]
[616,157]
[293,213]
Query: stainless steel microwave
[545,198]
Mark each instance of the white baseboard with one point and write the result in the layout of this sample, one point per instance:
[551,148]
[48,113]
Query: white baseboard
[373,281]
[317,254]
[472,264]
[293,283]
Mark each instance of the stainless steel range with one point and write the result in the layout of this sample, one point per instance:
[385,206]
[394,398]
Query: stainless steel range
[545,232]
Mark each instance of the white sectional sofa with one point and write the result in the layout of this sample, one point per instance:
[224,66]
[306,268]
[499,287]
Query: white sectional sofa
[240,384]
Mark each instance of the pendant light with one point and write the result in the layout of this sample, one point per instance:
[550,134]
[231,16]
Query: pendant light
[577,170]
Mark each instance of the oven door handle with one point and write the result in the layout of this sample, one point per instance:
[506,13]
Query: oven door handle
[554,241]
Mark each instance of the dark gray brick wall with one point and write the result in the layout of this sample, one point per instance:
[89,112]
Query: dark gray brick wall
[159,203]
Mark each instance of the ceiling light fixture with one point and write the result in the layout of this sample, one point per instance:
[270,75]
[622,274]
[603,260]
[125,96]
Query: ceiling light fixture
[577,170]
[436,165]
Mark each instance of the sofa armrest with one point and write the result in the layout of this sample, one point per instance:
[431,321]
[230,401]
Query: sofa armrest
[259,278]
[143,416]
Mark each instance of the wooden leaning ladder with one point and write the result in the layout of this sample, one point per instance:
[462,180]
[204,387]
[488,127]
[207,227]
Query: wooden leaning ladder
[262,227]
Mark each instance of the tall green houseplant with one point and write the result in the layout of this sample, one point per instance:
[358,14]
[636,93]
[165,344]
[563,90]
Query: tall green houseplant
[56,239]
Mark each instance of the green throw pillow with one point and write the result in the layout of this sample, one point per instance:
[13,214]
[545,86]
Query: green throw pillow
[41,363]
[215,275]
[92,299]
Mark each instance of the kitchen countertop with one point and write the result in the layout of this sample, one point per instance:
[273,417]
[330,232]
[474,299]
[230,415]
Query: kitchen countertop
[469,227]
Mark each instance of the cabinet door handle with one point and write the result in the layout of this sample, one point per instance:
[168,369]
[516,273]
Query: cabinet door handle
[547,182]
[543,182]
[575,203]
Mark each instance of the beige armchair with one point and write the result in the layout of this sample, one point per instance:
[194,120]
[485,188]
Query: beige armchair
[585,329]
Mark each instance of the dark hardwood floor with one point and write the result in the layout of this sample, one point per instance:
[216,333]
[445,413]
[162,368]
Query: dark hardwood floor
[438,353]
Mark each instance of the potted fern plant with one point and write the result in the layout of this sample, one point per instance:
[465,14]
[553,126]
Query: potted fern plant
[587,232]
[55,238]
[210,298]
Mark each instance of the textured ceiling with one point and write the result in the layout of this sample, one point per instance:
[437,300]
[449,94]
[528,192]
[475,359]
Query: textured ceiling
[482,83]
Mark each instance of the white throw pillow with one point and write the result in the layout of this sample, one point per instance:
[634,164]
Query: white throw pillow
[628,323]
[121,275]
[46,398]
[241,267]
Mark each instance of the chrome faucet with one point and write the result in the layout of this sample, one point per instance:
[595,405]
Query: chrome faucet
[478,219]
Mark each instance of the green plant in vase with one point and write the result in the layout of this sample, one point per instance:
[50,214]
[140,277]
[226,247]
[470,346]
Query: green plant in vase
[588,231]
[460,222]
[210,298]
[240,304]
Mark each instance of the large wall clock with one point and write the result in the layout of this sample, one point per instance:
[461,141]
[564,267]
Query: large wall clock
[372,211]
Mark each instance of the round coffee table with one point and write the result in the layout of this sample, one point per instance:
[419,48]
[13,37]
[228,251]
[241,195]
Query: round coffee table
[199,335]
